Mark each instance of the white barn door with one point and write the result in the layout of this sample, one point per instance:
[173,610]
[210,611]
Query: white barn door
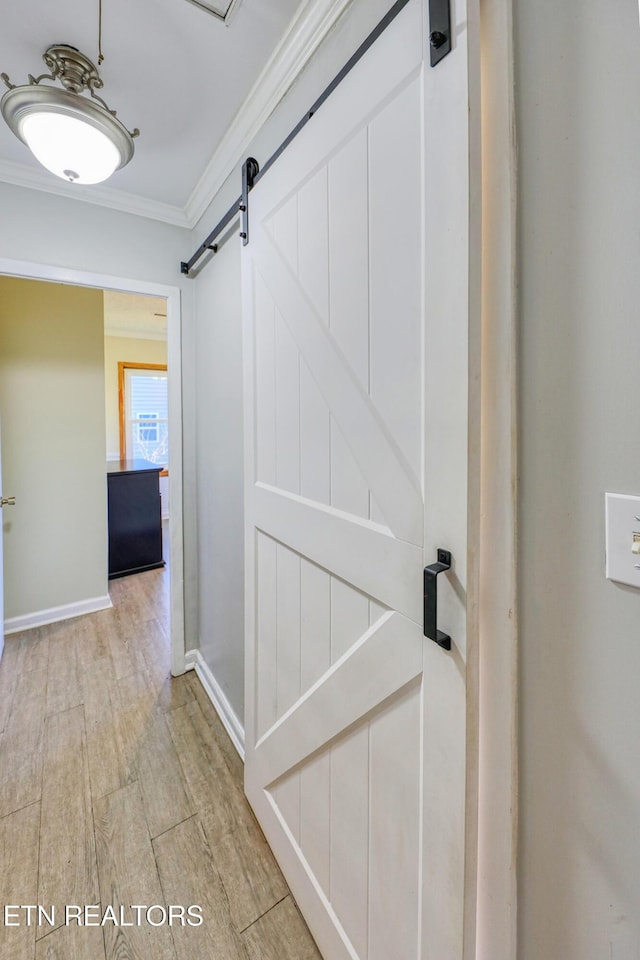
[357,332]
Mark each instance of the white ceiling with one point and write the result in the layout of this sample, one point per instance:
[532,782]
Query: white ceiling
[133,315]
[170,68]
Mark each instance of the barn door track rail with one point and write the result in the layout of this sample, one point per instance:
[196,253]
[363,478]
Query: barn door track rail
[440,46]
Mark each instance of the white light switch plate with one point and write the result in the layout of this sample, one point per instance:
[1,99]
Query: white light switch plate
[621,524]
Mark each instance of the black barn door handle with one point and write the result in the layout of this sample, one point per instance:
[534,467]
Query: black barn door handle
[431,600]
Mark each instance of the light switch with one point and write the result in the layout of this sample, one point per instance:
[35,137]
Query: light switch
[622,517]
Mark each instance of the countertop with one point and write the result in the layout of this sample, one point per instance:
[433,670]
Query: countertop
[132,466]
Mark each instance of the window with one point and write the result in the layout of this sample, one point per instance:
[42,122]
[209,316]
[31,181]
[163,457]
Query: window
[148,427]
[144,412]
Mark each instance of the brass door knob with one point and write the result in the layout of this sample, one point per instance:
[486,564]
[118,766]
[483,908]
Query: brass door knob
[7,501]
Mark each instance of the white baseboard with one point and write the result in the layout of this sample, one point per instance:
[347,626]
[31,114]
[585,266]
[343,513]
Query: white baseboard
[66,612]
[193,660]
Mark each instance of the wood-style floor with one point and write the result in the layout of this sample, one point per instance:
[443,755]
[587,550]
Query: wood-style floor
[119,786]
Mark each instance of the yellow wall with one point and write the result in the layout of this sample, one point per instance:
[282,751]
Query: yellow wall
[117,349]
[53,443]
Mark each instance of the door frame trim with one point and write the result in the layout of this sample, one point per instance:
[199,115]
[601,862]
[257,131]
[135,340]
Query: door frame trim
[29,270]
[496,919]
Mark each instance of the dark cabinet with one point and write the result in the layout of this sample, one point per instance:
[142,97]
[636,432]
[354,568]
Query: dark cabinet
[135,517]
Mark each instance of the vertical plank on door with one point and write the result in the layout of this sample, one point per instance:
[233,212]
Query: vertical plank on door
[349,253]
[395,173]
[349,617]
[266,626]
[350,835]
[315,623]
[315,440]
[315,817]
[376,610]
[288,619]
[287,409]
[349,301]
[313,242]
[284,229]
[395,853]
[287,794]
[315,777]
[349,489]
[265,385]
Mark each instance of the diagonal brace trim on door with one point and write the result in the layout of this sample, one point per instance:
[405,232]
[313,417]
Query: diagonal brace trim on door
[393,644]
[252,173]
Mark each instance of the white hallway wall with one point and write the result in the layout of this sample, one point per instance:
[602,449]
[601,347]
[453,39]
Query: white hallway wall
[219,424]
[578,117]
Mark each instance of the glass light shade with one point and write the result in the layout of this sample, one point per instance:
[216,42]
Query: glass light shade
[72,149]
[75,137]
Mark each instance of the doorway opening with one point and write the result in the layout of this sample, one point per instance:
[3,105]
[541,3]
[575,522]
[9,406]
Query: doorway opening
[137,441]
[168,299]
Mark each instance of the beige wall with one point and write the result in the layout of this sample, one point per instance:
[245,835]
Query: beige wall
[117,349]
[53,443]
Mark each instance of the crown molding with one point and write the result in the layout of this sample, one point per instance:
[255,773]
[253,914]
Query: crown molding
[23,176]
[306,31]
[310,25]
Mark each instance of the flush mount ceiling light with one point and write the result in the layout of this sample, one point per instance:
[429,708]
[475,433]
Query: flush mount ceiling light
[76,137]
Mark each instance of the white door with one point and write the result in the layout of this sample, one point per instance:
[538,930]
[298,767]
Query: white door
[360,758]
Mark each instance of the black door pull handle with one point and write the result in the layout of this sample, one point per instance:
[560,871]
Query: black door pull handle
[431,600]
